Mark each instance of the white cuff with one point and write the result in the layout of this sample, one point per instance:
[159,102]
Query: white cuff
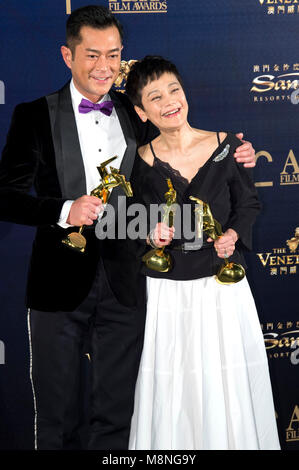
[64,215]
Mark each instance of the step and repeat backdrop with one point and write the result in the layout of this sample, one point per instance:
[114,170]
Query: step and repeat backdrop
[240,65]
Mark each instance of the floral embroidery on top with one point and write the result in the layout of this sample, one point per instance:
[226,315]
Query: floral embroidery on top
[222,154]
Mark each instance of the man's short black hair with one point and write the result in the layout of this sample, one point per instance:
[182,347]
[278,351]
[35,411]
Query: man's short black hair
[146,70]
[94,16]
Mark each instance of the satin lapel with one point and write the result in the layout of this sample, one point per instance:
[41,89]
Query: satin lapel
[69,162]
[130,152]
[125,169]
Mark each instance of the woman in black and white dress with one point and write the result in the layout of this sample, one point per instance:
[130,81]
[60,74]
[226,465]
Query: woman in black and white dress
[203,381]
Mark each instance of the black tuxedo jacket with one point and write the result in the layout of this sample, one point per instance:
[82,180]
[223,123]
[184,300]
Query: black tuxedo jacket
[43,152]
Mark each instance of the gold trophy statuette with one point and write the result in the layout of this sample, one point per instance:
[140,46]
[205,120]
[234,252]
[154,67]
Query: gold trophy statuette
[229,273]
[110,180]
[156,259]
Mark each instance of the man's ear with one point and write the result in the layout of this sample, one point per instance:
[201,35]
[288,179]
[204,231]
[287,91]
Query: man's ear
[140,113]
[67,56]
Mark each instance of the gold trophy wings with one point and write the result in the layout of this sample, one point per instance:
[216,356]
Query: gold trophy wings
[229,273]
[157,259]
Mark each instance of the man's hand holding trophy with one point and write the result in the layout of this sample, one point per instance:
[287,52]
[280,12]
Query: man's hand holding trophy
[76,240]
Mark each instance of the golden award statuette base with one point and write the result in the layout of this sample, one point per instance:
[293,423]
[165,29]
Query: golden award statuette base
[230,273]
[158,260]
[76,241]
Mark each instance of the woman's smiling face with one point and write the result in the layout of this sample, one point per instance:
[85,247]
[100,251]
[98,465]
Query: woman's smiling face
[164,102]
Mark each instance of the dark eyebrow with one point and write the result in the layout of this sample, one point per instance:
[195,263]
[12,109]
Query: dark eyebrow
[116,49]
[169,85]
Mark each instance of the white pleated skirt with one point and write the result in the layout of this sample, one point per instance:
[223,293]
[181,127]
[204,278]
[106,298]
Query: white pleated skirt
[203,381]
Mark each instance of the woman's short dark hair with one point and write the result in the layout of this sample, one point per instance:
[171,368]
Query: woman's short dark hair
[94,16]
[146,70]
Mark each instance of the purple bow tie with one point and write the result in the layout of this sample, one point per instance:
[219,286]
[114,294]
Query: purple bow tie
[105,107]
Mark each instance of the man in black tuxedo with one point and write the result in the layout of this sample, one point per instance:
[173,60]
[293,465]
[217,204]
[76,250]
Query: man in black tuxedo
[54,145]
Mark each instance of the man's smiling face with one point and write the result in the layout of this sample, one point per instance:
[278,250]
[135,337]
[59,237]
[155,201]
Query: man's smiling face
[95,62]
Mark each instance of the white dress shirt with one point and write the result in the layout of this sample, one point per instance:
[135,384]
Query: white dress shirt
[101,137]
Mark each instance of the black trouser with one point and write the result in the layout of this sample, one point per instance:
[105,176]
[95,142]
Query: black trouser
[58,341]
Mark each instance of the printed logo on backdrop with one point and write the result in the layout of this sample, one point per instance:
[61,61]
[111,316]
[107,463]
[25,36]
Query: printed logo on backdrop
[274,83]
[129,6]
[282,340]
[292,431]
[137,6]
[2,92]
[280,7]
[282,261]
[289,174]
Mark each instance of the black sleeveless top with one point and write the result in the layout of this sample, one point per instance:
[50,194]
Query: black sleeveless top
[180,182]
[221,182]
